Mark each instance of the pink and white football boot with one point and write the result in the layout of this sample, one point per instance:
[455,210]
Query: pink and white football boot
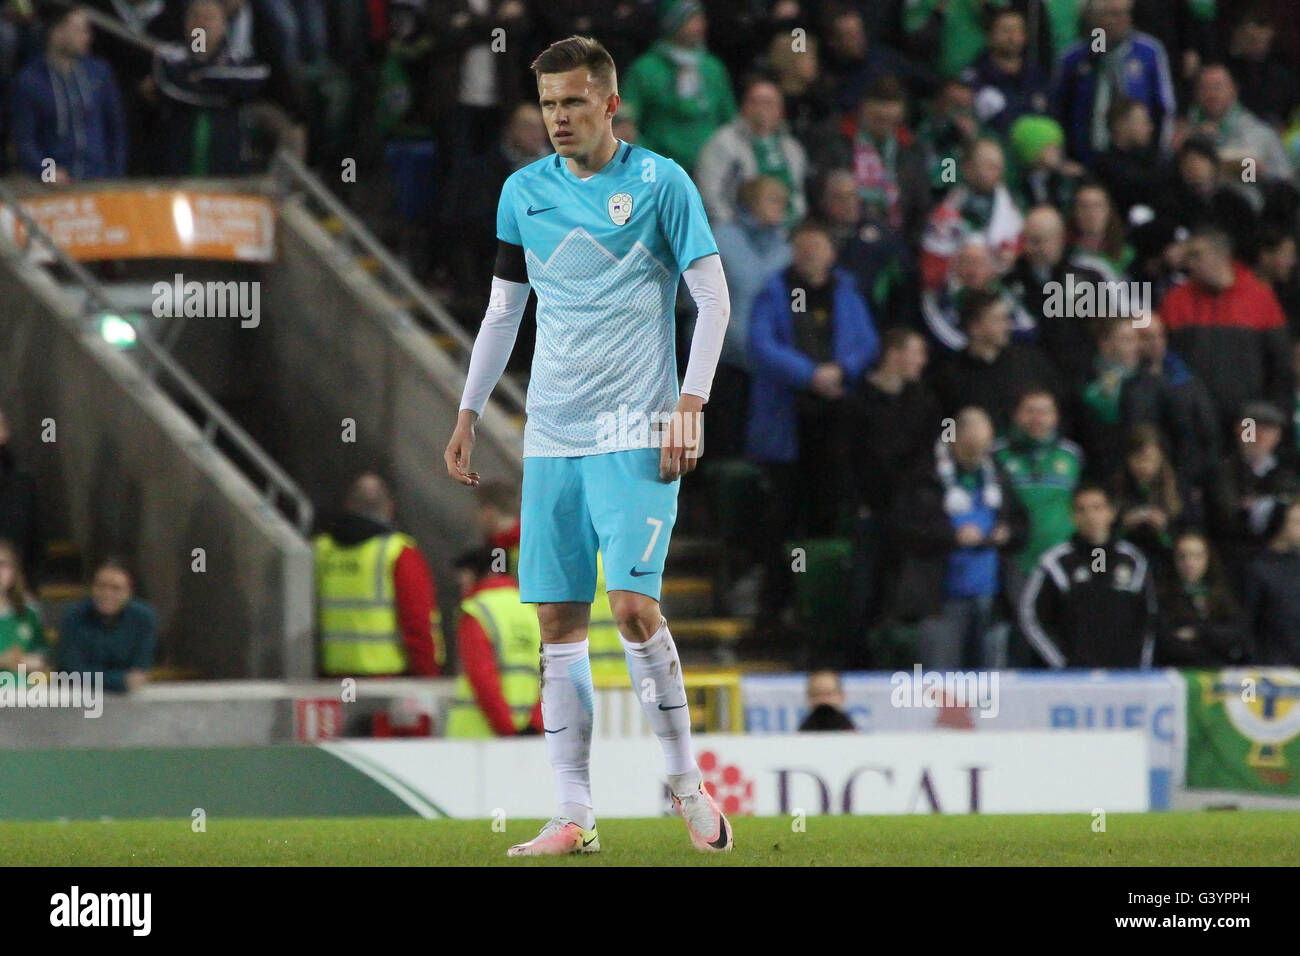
[560,836]
[709,829]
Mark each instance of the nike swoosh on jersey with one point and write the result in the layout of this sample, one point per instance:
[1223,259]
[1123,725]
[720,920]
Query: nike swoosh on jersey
[534,212]
[639,574]
[565,727]
[678,707]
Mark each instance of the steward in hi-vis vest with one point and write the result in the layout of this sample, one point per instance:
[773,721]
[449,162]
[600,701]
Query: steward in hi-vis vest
[498,642]
[377,603]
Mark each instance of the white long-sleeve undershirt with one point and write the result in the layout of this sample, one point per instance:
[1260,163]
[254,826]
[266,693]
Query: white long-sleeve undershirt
[708,287]
[496,336]
[494,342]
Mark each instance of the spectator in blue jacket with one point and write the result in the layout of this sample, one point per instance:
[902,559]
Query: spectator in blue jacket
[811,336]
[66,107]
[109,632]
[753,248]
[1120,61]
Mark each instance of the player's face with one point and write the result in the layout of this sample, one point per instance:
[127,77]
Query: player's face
[576,108]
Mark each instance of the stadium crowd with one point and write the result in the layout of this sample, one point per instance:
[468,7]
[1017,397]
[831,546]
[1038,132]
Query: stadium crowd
[1014,294]
[1013,308]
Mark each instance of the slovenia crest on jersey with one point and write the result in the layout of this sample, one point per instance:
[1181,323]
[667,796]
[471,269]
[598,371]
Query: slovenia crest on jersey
[620,208]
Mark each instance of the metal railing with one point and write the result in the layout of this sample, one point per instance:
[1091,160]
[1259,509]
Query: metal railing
[289,173]
[213,421]
[112,25]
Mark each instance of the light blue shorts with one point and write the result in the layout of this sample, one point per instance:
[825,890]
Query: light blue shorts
[614,501]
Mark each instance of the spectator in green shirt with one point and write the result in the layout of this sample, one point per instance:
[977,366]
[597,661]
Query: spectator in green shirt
[1045,469]
[22,637]
[681,92]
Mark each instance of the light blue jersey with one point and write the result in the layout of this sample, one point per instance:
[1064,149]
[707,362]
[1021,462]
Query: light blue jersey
[604,256]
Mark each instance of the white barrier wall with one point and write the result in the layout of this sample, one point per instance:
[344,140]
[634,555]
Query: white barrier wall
[839,773]
[1153,702]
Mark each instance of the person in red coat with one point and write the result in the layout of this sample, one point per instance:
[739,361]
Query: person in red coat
[1229,327]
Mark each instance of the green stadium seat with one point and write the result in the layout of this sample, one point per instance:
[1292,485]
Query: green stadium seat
[822,593]
[738,497]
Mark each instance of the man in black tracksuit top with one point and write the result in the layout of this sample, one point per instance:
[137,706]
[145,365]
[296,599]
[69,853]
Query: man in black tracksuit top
[1090,600]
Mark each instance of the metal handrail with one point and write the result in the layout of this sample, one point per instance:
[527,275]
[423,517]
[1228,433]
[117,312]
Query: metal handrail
[216,421]
[111,25]
[434,313]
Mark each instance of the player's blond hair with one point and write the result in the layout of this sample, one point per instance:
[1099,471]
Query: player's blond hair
[578,53]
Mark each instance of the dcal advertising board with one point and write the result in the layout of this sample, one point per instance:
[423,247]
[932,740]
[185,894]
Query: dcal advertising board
[837,773]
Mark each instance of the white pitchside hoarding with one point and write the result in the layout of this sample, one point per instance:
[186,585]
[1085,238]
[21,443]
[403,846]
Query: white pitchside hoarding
[934,772]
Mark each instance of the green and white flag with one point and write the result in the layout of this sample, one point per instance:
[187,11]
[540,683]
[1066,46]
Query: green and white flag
[1243,730]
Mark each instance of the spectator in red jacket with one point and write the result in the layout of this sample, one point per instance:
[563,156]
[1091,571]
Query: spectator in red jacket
[1229,327]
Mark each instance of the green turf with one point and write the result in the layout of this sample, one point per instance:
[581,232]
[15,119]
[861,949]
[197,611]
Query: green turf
[1162,839]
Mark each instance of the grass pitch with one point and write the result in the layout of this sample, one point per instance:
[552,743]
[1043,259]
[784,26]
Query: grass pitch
[1257,838]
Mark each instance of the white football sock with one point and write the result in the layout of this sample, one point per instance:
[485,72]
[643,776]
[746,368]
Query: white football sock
[567,704]
[656,673]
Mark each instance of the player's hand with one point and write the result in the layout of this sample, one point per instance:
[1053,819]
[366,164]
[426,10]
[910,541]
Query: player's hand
[683,440]
[460,448]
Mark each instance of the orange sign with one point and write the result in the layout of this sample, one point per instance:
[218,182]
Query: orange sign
[153,223]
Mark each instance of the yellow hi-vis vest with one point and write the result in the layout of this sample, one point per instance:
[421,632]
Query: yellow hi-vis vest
[359,633]
[517,643]
[608,662]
